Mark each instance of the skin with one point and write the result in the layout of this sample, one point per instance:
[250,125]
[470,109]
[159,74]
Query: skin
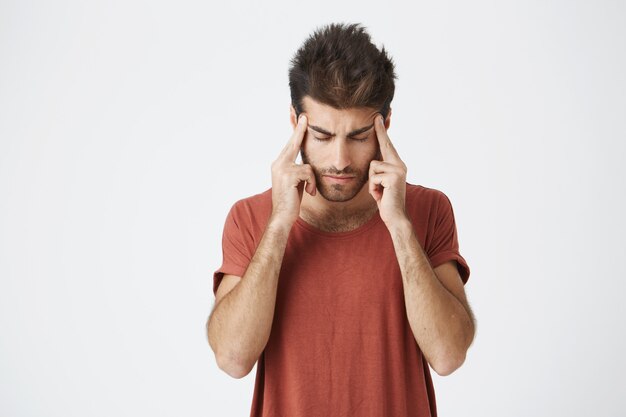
[437,309]
[338,207]
[240,323]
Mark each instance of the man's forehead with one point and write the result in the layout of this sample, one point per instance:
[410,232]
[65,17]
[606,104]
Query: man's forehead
[310,105]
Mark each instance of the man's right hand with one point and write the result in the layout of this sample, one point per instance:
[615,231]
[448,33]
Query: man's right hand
[288,178]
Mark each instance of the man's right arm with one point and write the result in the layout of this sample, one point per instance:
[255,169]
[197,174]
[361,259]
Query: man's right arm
[241,321]
[240,324]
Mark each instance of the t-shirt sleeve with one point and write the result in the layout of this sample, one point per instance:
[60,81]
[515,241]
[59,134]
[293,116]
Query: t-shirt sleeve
[236,246]
[445,243]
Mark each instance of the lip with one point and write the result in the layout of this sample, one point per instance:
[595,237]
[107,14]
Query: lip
[339,180]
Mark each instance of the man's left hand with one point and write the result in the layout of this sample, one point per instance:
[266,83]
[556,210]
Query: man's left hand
[387,179]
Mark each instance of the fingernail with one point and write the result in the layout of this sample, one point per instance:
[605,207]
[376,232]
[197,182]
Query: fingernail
[301,119]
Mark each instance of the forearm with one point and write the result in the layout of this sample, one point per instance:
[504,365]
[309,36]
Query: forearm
[441,325]
[240,324]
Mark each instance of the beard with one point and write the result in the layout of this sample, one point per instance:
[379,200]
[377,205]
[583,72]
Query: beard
[340,192]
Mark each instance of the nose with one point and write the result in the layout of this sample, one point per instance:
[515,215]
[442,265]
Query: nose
[341,155]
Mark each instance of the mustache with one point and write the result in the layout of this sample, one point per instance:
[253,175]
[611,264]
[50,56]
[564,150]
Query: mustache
[339,173]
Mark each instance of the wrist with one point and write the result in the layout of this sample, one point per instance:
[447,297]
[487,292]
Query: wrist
[400,227]
[279,223]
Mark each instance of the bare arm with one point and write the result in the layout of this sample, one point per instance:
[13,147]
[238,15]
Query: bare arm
[439,316]
[240,324]
[443,326]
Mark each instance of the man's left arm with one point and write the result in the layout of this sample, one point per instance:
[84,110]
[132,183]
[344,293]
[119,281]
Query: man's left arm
[437,309]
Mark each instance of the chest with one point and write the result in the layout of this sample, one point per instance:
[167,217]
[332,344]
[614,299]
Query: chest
[340,284]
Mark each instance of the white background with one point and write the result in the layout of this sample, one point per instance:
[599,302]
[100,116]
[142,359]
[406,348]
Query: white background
[129,128]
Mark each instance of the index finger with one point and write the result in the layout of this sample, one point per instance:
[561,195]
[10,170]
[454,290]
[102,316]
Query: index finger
[290,151]
[387,149]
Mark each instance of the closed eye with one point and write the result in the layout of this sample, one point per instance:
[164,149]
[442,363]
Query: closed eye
[361,139]
[327,138]
[320,139]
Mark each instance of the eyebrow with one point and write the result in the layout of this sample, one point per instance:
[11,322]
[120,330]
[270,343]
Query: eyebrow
[353,133]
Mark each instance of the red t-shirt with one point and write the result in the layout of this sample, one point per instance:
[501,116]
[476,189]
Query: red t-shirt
[340,343]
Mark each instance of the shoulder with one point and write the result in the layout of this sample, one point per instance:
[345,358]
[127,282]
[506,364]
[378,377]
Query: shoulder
[252,212]
[422,200]
[254,202]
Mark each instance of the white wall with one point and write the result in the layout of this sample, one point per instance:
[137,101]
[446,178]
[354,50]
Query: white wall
[128,128]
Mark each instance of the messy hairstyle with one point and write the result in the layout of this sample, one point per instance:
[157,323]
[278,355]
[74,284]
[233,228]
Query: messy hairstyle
[339,66]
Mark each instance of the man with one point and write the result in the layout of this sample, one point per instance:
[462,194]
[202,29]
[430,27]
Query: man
[344,294]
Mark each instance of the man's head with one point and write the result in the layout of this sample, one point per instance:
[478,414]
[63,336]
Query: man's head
[341,81]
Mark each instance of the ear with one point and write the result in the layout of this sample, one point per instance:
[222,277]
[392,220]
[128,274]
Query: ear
[388,119]
[292,116]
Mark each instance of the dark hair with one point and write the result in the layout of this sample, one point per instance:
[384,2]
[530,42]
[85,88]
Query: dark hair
[340,66]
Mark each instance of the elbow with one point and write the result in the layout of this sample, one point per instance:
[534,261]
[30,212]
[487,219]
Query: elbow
[233,365]
[233,368]
[226,363]
[449,365]
[449,362]
[453,360]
